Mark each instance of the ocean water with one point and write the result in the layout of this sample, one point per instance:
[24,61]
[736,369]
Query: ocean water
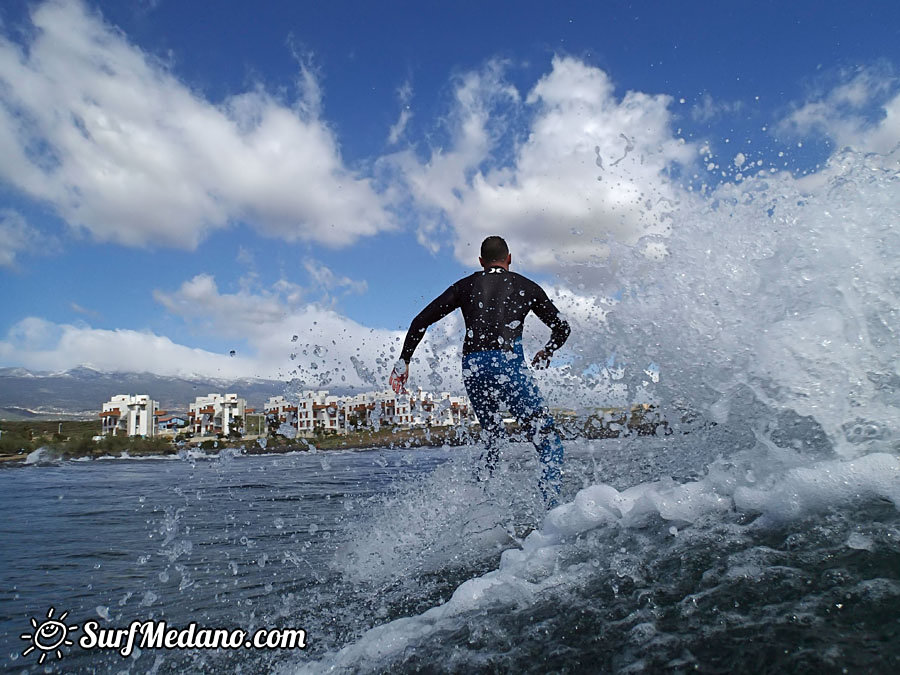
[761,535]
[397,560]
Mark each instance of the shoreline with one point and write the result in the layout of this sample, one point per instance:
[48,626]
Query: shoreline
[195,452]
[81,445]
[126,448]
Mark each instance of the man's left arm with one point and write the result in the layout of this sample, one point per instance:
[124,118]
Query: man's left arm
[547,312]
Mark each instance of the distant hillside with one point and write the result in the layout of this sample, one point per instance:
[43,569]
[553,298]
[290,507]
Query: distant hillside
[80,392]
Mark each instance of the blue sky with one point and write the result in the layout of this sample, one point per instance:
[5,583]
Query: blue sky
[183,179]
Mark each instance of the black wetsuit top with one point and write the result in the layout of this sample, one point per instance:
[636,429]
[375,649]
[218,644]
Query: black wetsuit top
[494,303]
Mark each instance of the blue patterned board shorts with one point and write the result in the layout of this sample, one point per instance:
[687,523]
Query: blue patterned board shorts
[498,379]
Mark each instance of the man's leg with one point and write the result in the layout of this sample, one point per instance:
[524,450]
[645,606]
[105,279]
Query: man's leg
[550,449]
[527,404]
[483,390]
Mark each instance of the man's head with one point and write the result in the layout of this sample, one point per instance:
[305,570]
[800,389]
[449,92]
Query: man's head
[495,252]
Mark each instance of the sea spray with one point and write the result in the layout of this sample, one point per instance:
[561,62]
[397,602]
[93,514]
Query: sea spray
[765,327]
[650,567]
[776,294]
[444,521]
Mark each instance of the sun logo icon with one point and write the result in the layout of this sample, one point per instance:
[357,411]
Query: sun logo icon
[49,635]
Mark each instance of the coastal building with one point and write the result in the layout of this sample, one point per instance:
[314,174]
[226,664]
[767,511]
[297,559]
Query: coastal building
[129,415]
[319,411]
[170,423]
[305,411]
[451,411]
[280,411]
[360,410]
[322,412]
[377,408]
[443,410]
[312,412]
[217,414]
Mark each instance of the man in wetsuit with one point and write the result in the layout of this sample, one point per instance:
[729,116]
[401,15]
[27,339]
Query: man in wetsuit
[494,303]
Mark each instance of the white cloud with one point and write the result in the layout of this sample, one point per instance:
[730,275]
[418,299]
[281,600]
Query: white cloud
[328,282]
[245,257]
[404,94]
[119,146]
[42,345]
[397,129]
[289,338]
[84,310]
[17,236]
[589,167]
[708,109]
[308,344]
[252,311]
[232,315]
[862,112]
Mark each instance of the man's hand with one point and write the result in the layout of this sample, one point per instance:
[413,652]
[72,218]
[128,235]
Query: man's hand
[541,360]
[398,376]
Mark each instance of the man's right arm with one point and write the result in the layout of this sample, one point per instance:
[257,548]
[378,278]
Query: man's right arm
[440,307]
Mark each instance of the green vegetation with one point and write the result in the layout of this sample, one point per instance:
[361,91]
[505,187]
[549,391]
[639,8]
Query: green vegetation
[21,438]
[75,439]
[28,435]
[366,437]
[254,423]
[643,420]
[236,425]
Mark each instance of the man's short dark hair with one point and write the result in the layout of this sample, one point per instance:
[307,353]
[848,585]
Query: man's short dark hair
[494,249]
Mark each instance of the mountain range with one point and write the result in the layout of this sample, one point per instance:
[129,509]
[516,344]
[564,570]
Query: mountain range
[81,392]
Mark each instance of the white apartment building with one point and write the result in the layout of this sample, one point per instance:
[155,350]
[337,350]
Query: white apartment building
[129,415]
[319,410]
[279,409]
[444,410]
[451,411]
[215,413]
[377,408]
[315,410]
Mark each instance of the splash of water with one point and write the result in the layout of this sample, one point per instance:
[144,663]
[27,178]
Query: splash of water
[447,520]
[776,302]
[773,314]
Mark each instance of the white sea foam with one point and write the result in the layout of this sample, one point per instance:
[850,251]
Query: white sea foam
[777,294]
[823,485]
[543,561]
[42,456]
[441,521]
[150,458]
[193,454]
[772,314]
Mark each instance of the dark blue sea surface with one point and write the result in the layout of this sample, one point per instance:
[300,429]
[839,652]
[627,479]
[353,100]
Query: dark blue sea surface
[235,542]
[662,558]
